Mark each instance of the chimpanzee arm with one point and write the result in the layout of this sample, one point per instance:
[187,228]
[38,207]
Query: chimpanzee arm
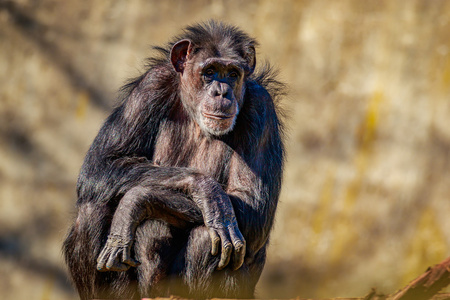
[254,198]
[178,196]
[255,182]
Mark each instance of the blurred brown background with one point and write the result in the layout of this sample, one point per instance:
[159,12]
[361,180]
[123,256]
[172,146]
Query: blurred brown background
[366,193]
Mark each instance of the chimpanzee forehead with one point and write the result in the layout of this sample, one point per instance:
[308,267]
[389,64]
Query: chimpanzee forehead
[220,52]
[225,62]
[221,56]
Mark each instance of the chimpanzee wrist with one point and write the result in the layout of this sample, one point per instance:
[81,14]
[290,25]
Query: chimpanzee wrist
[120,240]
[125,221]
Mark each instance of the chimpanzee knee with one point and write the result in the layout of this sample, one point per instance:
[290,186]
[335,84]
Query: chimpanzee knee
[156,247]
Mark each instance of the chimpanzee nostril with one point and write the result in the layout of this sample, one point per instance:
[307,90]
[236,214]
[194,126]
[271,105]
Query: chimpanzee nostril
[218,93]
[225,93]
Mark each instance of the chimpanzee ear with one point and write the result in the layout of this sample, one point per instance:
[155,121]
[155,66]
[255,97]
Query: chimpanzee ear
[250,57]
[180,54]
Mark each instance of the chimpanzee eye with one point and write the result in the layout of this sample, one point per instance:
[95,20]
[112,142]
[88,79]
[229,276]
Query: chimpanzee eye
[209,72]
[233,74]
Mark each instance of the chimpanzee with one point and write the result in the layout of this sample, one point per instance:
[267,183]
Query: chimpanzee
[178,192]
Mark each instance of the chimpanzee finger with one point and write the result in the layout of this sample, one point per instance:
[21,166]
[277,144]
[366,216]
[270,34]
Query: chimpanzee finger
[239,249]
[238,256]
[215,240]
[112,259]
[101,260]
[101,267]
[119,267]
[236,237]
[225,256]
[127,259]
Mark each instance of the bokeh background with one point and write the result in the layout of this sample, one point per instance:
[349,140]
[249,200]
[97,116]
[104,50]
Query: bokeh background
[365,201]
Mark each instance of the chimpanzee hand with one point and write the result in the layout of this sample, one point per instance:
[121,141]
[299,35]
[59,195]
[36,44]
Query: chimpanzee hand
[219,218]
[115,256]
[223,233]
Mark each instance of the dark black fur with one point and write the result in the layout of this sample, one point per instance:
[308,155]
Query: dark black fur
[247,163]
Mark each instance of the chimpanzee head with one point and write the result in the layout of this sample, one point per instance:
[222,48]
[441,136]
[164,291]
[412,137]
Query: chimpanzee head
[213,61]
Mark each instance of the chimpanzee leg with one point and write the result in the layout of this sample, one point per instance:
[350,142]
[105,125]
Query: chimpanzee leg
[199,274]
[156,246]
[81,249]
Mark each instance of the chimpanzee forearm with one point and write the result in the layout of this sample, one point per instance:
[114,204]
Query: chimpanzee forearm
[179,196]
[254,191]
[151,202]
[171,193]
[255,219]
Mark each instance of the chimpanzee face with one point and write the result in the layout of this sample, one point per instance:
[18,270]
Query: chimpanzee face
[212,87]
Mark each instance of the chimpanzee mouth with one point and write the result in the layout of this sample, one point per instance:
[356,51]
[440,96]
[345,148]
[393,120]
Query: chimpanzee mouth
[219,117]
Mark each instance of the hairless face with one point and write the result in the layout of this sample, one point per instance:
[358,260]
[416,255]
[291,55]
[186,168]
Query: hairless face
[212,84]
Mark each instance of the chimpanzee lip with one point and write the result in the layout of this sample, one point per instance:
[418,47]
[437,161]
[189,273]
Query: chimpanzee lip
[217,116]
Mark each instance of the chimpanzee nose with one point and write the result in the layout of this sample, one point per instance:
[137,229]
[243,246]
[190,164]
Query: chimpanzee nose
[219,90]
